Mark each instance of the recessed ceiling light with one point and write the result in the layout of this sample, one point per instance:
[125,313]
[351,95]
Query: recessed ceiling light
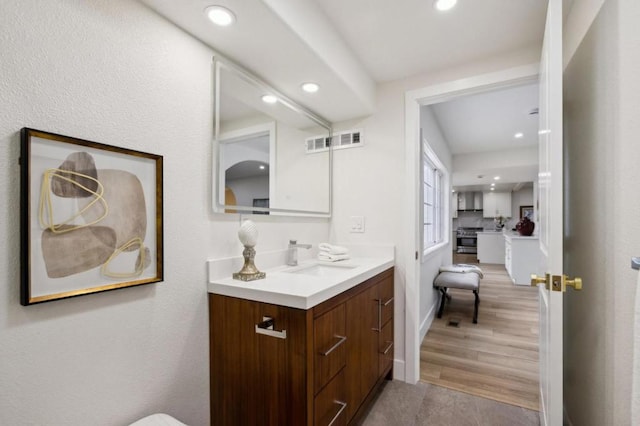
[310,87]
[493,189]
[261,166]
[444,4]
[493,184]
[496,178]
[270,99]
[518,135]
[453,190]
[220,15]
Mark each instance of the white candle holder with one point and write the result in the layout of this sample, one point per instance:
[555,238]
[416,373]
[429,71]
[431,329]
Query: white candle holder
[248,235]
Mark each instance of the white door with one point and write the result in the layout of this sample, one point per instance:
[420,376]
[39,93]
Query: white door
[550,218]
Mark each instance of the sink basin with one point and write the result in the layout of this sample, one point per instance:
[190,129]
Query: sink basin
[321,270]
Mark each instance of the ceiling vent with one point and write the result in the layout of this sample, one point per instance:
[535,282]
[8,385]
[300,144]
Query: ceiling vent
[339,140]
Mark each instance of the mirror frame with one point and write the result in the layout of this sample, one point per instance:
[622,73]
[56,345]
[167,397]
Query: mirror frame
[221,63]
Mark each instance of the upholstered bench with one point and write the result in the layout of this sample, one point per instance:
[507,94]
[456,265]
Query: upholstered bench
[461,276]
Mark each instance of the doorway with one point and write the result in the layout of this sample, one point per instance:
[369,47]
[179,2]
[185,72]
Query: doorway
[420,297]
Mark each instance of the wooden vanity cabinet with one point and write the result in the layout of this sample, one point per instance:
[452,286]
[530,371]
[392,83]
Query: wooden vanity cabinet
[324,371]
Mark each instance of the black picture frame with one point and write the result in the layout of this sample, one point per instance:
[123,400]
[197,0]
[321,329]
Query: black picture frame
[91,217]
[526,211]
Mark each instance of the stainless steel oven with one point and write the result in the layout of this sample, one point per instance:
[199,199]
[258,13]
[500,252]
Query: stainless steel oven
[467,239]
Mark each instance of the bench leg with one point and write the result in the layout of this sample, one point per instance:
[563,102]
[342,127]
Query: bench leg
[443,298]
[475,310]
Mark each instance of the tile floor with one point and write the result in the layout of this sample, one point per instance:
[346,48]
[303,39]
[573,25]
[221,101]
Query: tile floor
[401,404]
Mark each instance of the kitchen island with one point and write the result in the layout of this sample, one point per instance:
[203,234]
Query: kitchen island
[491,247]
[521,257]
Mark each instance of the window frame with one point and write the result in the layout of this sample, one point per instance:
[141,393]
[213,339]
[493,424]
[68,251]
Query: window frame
[440,188]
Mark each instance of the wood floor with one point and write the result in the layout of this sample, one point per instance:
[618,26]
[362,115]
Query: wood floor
[496,358]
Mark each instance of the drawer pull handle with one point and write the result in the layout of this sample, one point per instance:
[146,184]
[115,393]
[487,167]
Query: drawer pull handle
[341,340]
[342,405]
[266,328]
[379,302]
[386,351]
[388,301]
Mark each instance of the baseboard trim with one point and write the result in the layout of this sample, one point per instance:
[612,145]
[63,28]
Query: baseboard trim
[425,325]
[398,370]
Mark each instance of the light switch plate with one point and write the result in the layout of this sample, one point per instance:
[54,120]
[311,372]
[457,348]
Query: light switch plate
[357,224]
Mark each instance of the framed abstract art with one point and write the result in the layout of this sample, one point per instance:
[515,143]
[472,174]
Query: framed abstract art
[91,217]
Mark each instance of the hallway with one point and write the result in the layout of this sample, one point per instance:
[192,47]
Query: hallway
[496,358]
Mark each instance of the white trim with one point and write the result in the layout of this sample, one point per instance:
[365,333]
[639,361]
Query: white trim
[425,325]
[413,100]
[446,205]
[426,254]
[398,370]
[478,84]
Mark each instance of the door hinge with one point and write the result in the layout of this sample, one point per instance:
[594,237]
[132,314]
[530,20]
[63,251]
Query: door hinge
[416,255]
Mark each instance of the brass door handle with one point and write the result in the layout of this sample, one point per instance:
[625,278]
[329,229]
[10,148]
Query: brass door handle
[556,282]
[535,280]
[576,283]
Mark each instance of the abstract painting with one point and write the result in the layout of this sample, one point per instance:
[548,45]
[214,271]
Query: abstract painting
[91,217]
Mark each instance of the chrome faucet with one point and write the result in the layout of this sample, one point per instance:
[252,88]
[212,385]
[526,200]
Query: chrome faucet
[292,252]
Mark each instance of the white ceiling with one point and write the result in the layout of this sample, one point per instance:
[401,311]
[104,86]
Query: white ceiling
[350,46]
[400,38]
[483,127]
[489,121]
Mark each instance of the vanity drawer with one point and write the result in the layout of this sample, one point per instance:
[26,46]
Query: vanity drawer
[330,404]
[329,338]
[385,293]
[385,348]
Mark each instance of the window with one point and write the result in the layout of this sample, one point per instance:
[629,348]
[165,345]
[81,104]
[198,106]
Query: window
[433,205]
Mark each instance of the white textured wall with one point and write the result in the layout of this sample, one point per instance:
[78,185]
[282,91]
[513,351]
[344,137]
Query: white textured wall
[627,207]
[577,23]
[603,232]
[590,96]
[114,72]
[431,264]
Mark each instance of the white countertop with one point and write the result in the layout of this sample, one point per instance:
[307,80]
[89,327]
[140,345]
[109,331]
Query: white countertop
[516,236]
[509,234]
[297,290]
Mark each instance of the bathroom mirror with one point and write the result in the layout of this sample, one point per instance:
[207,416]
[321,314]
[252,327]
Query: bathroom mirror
[269,157]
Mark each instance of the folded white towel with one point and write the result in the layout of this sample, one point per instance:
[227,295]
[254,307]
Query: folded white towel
[331,249]
[462,268]
[324,256]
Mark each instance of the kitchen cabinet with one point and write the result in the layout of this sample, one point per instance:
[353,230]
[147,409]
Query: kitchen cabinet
[521,257]
[277,365]
[496,204]
[491,247]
